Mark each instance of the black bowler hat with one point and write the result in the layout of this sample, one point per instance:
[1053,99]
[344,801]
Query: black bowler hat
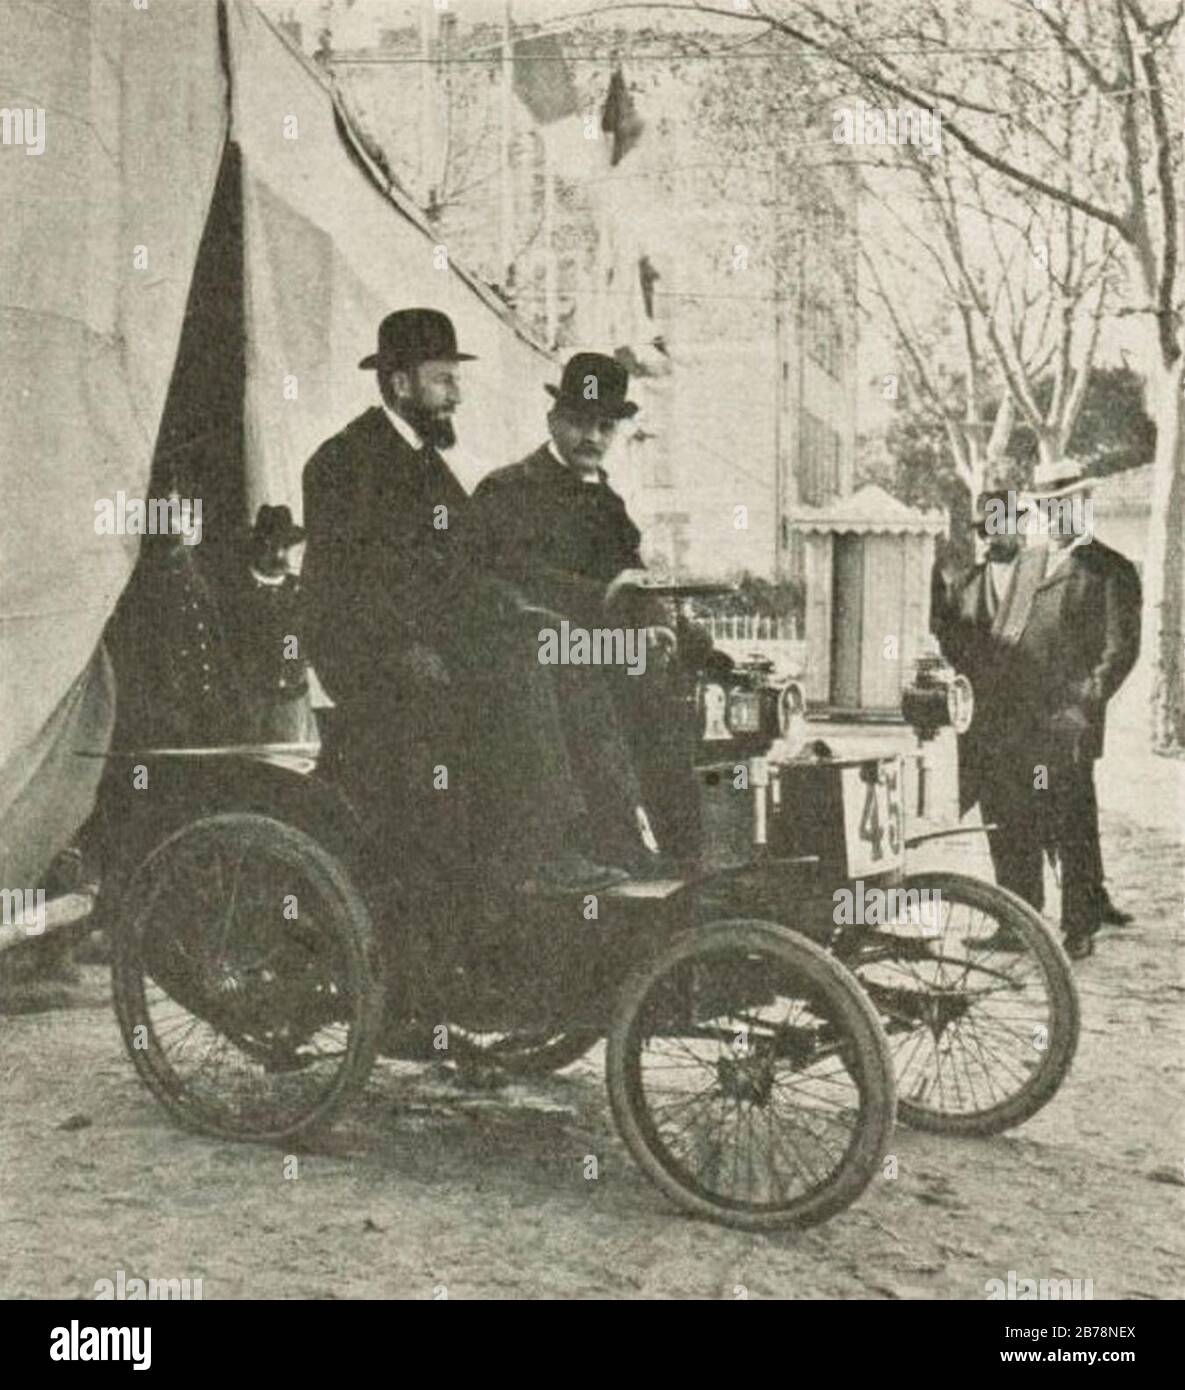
[274,526]
[411,336]
[593,384]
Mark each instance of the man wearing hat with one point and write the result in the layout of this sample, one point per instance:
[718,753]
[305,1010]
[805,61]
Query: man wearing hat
[381,507]
[968,611]
[553,528]
[266,631]
[551,522]
[1079,642]
[400,625]
[1046,632]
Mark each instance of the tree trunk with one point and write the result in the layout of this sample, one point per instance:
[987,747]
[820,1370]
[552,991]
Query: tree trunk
[1164,572]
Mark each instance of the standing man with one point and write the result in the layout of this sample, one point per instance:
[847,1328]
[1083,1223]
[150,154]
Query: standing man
[381,508]
[1046,638]
[1078,645]
[968,613]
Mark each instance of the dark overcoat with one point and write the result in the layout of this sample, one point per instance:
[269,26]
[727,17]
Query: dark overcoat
[1079,640]
[176,677]
[379,567]
[262,621]
[560,541]
[963,615]
[557,538]
[379,576]
[1065,642]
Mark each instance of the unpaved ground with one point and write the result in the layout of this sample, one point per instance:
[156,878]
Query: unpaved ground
[425,1186]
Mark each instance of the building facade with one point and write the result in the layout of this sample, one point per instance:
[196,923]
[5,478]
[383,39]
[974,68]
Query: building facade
[717,261]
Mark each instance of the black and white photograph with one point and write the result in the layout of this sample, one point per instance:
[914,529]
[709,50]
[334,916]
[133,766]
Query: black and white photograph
[594,680]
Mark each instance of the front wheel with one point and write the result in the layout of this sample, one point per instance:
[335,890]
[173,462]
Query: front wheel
[749,1076]
[978,1001]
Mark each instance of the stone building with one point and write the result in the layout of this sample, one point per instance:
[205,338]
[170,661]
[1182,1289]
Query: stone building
[718,259]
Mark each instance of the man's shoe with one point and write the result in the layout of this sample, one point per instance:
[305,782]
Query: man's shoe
[1080,945]
[573,872]
[1112,916]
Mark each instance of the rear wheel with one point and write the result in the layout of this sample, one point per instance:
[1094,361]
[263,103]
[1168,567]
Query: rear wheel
[246,978]
[978,1002]
[749,1076]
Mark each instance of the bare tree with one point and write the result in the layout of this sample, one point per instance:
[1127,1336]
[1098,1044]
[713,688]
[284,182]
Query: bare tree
[1026,285]
[997,100]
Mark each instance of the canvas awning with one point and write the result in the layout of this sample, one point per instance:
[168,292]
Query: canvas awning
[96,267]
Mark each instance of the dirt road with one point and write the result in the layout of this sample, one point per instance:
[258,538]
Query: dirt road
[427,1188]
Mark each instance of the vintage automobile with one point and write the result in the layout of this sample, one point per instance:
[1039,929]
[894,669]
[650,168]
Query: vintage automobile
[266,951]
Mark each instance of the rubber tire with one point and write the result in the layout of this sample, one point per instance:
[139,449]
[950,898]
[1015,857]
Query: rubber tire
[1014,914]
[336,887]
[834,981]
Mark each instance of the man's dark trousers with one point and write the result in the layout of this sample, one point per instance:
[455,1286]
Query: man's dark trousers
[1044,670]
[549,755]
[1058,818]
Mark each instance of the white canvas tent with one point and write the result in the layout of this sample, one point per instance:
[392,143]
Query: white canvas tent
[103,239]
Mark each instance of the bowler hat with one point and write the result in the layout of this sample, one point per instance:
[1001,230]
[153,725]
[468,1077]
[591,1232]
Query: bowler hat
[593,384]
[1058,478]
[275,526]
[411,336]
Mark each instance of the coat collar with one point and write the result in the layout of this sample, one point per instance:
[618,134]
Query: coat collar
[380,433]
[409,436]
[1066,563]
[1012,616]
[544,467]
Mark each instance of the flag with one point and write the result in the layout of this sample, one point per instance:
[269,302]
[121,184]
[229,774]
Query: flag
[619,118]
[542,80]
[625,315]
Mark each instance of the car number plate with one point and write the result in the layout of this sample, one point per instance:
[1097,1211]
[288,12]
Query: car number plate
[873,819]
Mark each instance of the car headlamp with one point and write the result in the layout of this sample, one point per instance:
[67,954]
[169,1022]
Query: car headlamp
[792,729]
[960,704]
[713,713]
[744,711]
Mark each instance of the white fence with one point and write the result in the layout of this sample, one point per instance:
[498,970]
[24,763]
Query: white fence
[749,628]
